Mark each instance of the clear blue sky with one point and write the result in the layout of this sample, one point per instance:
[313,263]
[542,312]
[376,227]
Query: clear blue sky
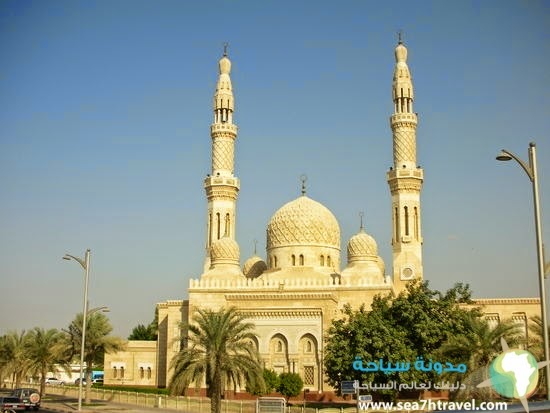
[104,138]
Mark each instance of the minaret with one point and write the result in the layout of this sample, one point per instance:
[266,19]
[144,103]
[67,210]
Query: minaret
[405,178]
[221,185]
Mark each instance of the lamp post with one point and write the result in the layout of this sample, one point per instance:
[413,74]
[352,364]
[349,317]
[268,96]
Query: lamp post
[85,264]
[531,171]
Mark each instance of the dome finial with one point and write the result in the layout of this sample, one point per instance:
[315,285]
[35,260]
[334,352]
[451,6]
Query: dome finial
[225,45]
[361,215]
[303,178]
[255,245]
[400,36]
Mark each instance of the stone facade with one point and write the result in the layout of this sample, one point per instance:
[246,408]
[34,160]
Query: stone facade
[136,366]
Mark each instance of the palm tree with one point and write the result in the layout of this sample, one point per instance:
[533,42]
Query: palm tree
[535,339]
[13,359]
[221,351]
[46,351]
[479,345]
[96,344]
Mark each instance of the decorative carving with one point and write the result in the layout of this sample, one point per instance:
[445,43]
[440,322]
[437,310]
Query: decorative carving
[404,146]
[303,221]
[297,313]
[361,245]
[281,296]
[224,249]
[223,152]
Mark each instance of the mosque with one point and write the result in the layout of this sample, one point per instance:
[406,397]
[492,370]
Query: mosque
[293,294]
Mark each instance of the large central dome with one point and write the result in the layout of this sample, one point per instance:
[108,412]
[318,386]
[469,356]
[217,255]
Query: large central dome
[303,222]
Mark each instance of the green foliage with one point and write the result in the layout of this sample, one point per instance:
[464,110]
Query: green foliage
[32,353]
[396,329]
[13,357]
[146,332]
[271,381]
[290,384]
[46,351]
[98,341]
[136,389]
[142,332]
[221,351]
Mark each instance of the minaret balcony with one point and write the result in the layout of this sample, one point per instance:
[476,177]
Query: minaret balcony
[224,127]
[404,117]
[417,173]
[222,181]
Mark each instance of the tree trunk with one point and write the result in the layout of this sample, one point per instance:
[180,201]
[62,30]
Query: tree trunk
[215,393]
[43,373]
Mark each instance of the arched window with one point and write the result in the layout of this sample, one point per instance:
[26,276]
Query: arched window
[114,372]
[279,346]
[322,261]
[141,373]
[275,258]
[122,372]
[301,259]
[227,225]
[218,225]
[328,261]
[406,220]
[148,372]
[210,229]
[416,226]
[396,225]
[293,259]
[309,347]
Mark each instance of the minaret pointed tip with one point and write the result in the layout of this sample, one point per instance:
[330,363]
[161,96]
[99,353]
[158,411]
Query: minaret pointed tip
[225,45]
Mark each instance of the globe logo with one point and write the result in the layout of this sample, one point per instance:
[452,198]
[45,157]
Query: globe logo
[514,374]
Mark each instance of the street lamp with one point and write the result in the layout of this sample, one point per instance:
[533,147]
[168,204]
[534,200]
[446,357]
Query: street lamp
[531,171]
[85,264]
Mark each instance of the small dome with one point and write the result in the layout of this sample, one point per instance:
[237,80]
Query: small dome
[303,222]
[361,246]
[224,250]
[254,267]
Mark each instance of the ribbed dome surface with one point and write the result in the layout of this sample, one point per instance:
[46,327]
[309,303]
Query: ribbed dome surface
[361,245]
[254,267]
[303,222]
[224,249]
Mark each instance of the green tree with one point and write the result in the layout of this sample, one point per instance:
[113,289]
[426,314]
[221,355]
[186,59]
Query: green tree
[146,332]
[271,381]
[46,351]
[142,332]
[13,358]
[290,384]
[396,329]
[221,351]
[98,341]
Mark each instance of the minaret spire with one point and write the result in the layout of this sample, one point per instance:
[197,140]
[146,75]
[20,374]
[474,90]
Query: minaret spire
[303,178]
[405,177]
[221,185]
